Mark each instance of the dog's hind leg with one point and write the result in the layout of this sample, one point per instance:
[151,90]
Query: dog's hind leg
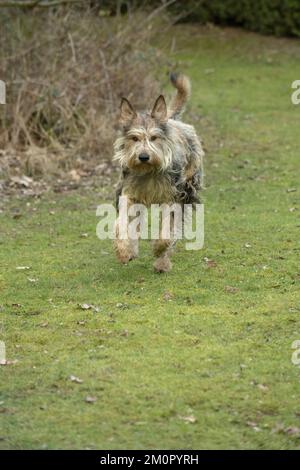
[162,249]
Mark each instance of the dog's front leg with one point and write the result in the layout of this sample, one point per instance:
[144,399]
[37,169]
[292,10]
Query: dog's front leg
[126,246]
[126,250]
[162,249]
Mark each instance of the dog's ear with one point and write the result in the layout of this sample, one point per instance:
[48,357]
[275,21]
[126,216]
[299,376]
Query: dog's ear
[127,113]
[159,111]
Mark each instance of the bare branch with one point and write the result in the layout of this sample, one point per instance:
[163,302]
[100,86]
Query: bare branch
[36,3]
[20,3]
[159,9]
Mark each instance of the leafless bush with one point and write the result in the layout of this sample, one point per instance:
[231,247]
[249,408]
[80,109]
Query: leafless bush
[65,72]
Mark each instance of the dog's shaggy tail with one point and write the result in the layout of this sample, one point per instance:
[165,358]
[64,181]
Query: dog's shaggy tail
[183,86]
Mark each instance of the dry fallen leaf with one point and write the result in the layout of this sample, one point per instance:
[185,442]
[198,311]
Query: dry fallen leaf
[263,387]
[75,379]
[85,306]
[292,431]
[210,263]
[123,306]
[74,175]
[253,425]
[188,419]
[90,399]
[24,181]
[231,290]
[167,296]
[89,307]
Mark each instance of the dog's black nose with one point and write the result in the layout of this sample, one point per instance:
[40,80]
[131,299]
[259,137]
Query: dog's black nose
[144,157]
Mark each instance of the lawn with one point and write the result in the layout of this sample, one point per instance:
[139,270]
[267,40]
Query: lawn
[199,358]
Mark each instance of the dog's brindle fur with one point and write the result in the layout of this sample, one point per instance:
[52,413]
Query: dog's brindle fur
[173,171]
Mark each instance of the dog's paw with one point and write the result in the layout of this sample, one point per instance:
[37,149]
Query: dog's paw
[162,265]
[125,258]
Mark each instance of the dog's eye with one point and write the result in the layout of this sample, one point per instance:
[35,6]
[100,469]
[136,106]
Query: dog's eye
[153,137]
[134,138]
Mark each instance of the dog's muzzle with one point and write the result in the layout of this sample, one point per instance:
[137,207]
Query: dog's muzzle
[144,157]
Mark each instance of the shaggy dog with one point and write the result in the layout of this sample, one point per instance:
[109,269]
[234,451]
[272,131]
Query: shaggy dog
[161,162]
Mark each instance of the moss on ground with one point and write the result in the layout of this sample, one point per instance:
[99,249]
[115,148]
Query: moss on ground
[201,357]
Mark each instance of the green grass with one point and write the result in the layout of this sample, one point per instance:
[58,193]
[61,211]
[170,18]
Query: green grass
[217,347]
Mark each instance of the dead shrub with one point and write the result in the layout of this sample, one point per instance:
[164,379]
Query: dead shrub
[65,71]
